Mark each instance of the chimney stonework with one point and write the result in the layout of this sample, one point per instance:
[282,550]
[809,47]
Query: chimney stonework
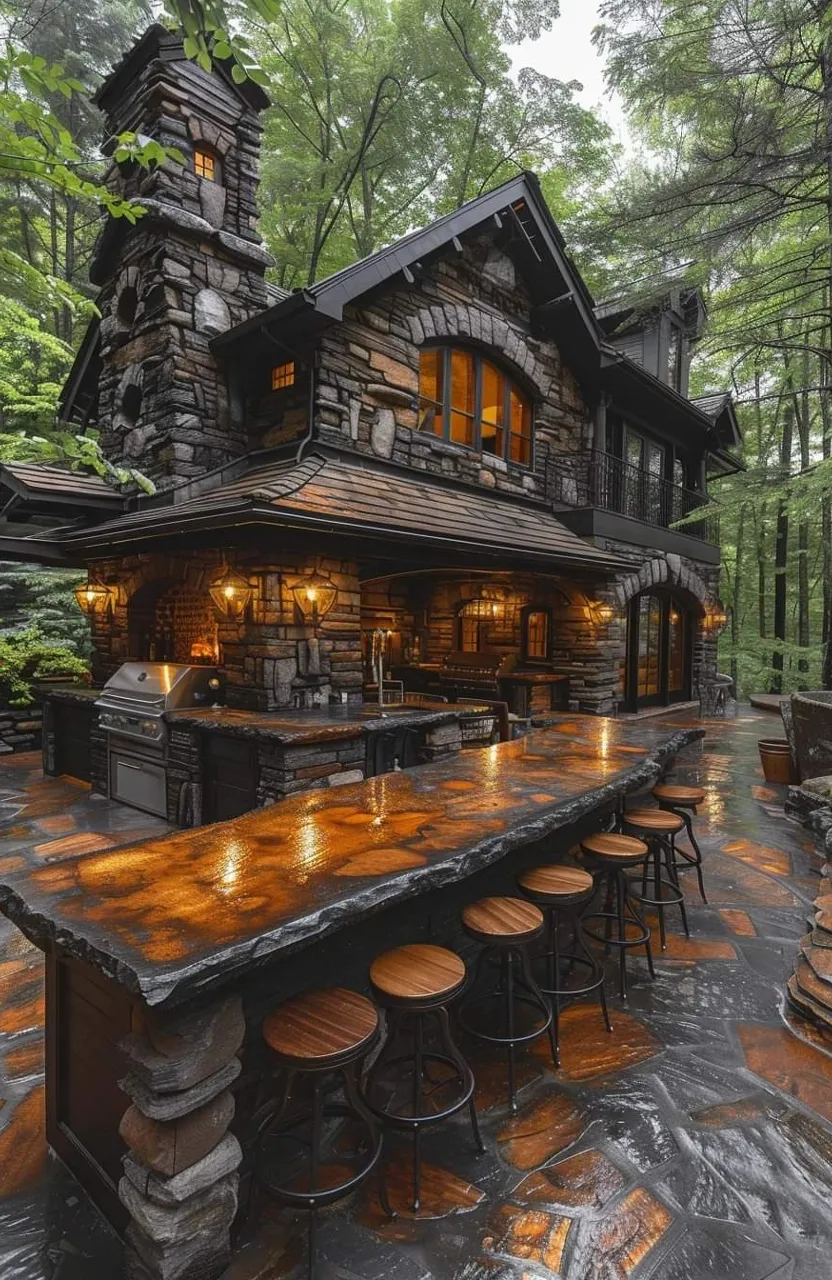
[191,267]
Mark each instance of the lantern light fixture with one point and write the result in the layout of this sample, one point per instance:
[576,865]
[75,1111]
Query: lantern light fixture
[94,596]
[601,612]
[230,593]
[314,596]
[715,619]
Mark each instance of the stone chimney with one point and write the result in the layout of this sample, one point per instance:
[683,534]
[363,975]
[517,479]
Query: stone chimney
[190,268]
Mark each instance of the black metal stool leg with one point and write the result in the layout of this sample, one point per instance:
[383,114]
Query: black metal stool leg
[418,1077]
[620,895]
[464,1070]
[655,858]
[509,985]
[673,875]
[528,979]
[554,1030]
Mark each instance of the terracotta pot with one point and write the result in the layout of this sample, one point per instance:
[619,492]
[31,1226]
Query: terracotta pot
[776,759]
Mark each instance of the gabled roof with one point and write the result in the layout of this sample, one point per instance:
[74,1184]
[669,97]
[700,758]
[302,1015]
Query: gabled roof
[516,208]
[719,407]
[333,493]
[158,42]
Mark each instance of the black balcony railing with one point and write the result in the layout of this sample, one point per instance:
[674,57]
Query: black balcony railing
[596,479]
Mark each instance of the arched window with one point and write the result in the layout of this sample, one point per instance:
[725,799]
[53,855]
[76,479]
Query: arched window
[465,398]
[206,164]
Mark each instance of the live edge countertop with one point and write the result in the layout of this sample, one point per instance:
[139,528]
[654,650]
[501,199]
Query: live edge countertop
[171,918]
[324,724]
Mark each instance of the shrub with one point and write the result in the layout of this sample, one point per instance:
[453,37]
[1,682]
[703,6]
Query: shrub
[28,656]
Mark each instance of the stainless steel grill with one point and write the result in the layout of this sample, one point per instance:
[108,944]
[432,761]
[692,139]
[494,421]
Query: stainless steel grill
[132,710]
[134,700]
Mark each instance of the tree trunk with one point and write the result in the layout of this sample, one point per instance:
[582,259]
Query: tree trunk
[781,554]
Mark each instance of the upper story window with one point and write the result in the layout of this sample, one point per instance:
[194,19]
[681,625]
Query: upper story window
[283,375]
[205,164]
[468,400]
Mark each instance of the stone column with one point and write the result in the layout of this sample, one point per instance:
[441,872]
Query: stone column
[180,1179]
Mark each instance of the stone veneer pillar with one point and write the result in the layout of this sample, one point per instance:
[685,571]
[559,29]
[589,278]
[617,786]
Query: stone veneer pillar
[180,1183]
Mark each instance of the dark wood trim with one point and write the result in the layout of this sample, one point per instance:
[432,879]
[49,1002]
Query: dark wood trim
[67,1143]
[593,522]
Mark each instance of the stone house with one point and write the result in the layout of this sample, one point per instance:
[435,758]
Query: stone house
[449,441]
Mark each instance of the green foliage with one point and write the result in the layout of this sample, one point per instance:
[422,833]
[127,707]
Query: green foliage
[28,656]
[387,115]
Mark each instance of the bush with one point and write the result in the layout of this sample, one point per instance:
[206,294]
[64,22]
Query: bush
[28,656]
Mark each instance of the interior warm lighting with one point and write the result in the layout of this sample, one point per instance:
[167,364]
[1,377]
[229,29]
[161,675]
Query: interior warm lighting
[230,593]
[314,596]
[205,165]
[283,375]
[94,597]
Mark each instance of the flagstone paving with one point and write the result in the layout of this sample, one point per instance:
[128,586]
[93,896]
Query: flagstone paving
[694,1142]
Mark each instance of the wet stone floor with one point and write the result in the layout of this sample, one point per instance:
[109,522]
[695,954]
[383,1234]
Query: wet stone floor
[694,1142]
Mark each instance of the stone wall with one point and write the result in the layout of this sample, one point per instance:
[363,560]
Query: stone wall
[368,377]
[270,657]
[191,268]
[20,729]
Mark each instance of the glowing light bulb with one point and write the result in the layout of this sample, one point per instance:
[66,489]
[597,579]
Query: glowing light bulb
[228,591]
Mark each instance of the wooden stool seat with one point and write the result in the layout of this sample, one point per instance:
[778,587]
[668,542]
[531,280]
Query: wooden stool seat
[670,793]
[556,882]
[417,972]
[495,919]
[320,1025]
[608,844]
[655,821]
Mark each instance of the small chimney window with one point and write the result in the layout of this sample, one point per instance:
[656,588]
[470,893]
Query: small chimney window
[205,164]
[283,375]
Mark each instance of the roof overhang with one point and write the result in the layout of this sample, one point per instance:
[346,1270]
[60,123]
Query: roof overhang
[520,219]
[637,392]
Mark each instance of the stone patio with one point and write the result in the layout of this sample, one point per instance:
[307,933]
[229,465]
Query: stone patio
[693,1142]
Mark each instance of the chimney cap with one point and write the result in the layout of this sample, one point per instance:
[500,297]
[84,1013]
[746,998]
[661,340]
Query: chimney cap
[159,42]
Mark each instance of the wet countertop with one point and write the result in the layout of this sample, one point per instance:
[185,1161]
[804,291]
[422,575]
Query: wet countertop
[175,916]
[321,724]
[69,692]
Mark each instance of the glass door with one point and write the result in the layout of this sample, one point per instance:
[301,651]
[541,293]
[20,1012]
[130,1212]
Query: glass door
[658,652]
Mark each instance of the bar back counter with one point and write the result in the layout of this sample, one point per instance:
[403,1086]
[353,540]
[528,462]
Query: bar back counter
[164,956]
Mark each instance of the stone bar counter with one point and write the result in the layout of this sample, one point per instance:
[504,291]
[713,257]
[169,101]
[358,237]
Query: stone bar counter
[164,955]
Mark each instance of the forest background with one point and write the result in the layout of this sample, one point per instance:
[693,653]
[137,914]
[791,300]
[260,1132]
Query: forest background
[388,113]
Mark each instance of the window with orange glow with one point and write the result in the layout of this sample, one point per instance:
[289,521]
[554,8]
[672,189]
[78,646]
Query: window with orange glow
[537,634]
[468,400]
[205,165]
[283,375]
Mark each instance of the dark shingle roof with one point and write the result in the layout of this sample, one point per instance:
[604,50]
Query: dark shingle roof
[336,494]
[58,485]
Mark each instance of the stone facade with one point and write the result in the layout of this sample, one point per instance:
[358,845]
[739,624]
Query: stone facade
[189,269]
[20,729]
[368,372]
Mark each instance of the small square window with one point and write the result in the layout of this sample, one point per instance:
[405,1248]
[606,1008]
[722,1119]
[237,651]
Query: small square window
[205,165]
[283,375]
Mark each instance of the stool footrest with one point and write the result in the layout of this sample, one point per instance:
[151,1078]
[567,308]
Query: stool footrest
[643,935]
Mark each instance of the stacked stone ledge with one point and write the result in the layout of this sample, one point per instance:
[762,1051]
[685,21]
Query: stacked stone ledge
[180,1183]
[810,986]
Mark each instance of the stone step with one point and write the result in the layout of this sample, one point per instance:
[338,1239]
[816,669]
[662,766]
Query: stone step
[812,986]
[807,1007]
[820,960]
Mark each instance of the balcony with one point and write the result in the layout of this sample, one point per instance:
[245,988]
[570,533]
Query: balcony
[599,480]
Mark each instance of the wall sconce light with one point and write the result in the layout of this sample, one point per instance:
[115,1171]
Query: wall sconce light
[230,593]
[715,620]
[94,596]
[601,612]
[314,597]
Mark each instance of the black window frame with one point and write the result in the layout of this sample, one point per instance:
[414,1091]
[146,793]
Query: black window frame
[525,615]
[511,382]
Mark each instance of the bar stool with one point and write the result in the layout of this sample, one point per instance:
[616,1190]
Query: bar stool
[312,1038]
[678,800]
[613,855]
[657,827]
[506,927]
[562,891]
[416,983]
